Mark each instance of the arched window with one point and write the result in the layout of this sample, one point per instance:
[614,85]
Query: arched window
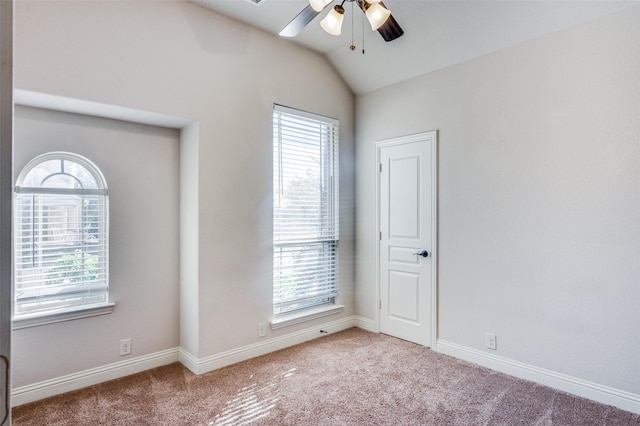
[61,235]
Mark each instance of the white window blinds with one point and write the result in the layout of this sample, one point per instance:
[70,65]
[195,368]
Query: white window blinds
[60,236]
[305,212]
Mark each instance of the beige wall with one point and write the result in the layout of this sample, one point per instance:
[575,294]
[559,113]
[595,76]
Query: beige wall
[538,177]
[538,198]
[179,59]
[140,165]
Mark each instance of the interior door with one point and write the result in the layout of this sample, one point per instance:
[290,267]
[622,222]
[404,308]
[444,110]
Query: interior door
[407,237]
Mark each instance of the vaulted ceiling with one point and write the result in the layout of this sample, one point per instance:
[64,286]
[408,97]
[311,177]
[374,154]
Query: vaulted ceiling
[437,33]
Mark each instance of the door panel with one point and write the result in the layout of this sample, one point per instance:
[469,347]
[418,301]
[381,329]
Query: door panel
[404,184]
[403,255]
[406,213]
[404,293]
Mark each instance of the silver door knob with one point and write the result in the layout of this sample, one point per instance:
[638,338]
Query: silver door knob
[422,253]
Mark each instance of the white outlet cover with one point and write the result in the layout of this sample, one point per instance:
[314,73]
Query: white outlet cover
[125,346]
[262,329]
[490,341]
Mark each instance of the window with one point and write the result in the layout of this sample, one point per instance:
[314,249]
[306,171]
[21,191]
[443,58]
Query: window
[305,212]
[60,236]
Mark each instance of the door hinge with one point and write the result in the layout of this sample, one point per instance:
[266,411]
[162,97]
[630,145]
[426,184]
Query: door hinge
[379,304]
[380,167]
[380,236]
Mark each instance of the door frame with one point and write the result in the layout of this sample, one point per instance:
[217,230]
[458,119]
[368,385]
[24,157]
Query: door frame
[6,203]
[417,137]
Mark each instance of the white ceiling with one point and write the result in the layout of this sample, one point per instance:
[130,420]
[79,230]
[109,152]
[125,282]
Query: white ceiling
[437,33]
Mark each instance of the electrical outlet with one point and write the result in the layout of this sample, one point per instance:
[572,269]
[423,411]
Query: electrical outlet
[262,329]
[490,341]
[125,346]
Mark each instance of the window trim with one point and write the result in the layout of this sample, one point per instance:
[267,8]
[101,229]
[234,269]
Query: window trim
[307,314]
[87,311]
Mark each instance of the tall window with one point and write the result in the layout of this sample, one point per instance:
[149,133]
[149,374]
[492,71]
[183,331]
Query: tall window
[60,236]
[305,211]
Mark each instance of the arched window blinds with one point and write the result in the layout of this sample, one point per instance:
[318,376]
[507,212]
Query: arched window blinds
[61,232]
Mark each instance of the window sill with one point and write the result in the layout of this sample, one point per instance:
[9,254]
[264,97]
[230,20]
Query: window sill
[34,320]
[305,315]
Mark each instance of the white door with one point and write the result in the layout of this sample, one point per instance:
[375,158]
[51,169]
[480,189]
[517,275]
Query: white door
[407,218]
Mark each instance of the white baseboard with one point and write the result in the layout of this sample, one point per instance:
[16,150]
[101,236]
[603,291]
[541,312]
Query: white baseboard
[365,324]
[33,392]
[36,391]
[223,359]
[599,393]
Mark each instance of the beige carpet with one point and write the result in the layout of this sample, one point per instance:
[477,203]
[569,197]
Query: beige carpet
[349,378]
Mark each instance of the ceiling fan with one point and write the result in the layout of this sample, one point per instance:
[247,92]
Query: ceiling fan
[378,15]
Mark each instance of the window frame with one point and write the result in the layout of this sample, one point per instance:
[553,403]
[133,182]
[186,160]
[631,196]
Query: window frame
[75,204]
[326,238]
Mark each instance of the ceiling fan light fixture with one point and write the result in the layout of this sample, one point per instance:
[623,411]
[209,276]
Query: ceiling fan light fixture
[332,23]
[377,15]
[319,5]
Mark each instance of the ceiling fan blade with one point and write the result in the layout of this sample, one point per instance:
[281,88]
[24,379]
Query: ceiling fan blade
[390,30]
[298,23]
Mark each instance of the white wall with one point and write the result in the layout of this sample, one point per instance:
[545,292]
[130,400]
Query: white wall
[179,59]
[140,164]
[539,198]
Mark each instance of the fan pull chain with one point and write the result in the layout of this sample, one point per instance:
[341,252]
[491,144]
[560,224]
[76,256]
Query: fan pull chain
[353,46]
[363,33]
